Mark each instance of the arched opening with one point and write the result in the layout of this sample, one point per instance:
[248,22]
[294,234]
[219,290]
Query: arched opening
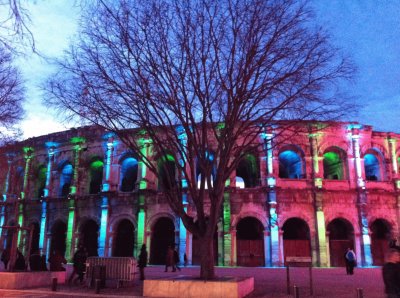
[18,181]
[334,164]
[58,237]
[291,165]
[124,239]
[89,237]
[66,175]
[372,167]
[129,172]
[208,166]
[248,170]
[35,237]
[162,236]
[9,236]
[341,237]
[380,237]
[96,176]
[296,238]
[41,181]
[250,242]
[166,172]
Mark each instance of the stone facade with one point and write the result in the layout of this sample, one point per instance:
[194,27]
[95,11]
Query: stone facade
[314,194]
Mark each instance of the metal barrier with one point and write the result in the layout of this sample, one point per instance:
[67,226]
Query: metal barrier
[116,268]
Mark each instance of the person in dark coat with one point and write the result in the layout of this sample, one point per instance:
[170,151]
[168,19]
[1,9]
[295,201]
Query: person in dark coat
[34,261]
[176,260]
[142,262]
[169,260]
[391,271]
[350,259]
[5,257]
[56,260]
[79,261]
[20,262]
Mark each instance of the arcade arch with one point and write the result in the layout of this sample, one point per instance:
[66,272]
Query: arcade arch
[129,173]
[58,237]
[335,164]
[95,176]
[249,170]
[250,242]
[380,236]
[296,238]
[291,164]
[162,236]
[89,234]
[124,239]
[341,237]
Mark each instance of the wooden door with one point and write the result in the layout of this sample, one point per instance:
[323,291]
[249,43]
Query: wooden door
[296,248]
[338,249]
[378,248]
[250,253]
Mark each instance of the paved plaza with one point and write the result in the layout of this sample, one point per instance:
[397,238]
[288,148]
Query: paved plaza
[269,282]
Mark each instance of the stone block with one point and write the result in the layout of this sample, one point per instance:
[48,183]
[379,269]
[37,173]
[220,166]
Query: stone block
[25,280]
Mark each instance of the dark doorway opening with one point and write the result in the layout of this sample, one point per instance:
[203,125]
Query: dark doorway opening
[380,238]
[35,237]
[341,237]
[58,237]
[89,237]
[163,235]
[124,239]
[296,238]
[250,242]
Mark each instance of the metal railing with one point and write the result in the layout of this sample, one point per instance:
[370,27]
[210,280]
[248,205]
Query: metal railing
[116,268]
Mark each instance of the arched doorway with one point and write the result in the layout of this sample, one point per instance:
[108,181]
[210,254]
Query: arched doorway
[291,165]
[296,238]
[35,237]
[162,235]
[341,237]
[58,237]
[250,242]
[381,232]
[124,239]
[96,176]
[166,172]
[89,237]
[335,164]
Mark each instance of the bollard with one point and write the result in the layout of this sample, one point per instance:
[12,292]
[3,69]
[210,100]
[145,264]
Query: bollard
[54,284]
[97,286]
[296,292]
[360,293]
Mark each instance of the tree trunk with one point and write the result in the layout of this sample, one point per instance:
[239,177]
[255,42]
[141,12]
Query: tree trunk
[207,258]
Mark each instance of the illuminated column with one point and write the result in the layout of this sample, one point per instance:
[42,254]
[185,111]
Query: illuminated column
[267,249]
[393,157]
[319,253]
[328,261]
[281,255]
[358,248]
[43,220]
[77,150]
[274,253]
[145,145]
[108,162]
[365,239]
[4,199]
[70,230]
[226,231]
[103,227]
[182,232]
[220,234]
[141,225]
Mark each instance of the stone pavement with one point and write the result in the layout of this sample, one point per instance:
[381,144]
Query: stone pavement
[269,282]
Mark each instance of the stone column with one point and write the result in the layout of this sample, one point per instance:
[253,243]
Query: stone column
[141,225]
[275,254]
[233,248]
[4,198]
[267,249]
[281,248]
[365,239]
[328,251]
[108,162]
[227,240]
[103,227]
[358,248]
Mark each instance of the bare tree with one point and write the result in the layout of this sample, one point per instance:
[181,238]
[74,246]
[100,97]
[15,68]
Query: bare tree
[198,81]
[11,97]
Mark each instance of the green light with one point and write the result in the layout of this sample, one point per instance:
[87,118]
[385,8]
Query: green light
[77,140]
[70,230]
[226,260]
[96,165]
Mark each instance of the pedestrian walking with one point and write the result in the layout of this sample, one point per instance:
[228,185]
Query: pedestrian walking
[5,257]
[391,271]
[169,260]
[176,260]
[56,260]
[350,259]
[142,261]
[79,262]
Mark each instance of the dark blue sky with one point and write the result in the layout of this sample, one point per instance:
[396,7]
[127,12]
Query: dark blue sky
[367,30]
